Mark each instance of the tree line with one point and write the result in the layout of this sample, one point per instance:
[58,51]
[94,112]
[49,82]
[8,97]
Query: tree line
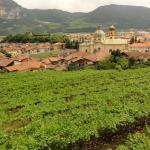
[32,38]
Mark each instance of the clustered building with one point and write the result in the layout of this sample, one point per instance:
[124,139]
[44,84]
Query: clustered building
[141,47]
[93,48]
[26,63]
[30,48]
[106,42]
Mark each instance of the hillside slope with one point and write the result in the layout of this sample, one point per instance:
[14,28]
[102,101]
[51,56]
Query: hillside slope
[123,16]
[14,18]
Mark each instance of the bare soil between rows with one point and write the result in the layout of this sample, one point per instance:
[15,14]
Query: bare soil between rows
[111,140]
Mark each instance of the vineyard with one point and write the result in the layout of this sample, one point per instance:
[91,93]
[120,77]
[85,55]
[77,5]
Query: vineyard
[137,141]
[49,110]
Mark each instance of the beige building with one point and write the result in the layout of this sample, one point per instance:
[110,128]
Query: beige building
[80,37]
[104,42]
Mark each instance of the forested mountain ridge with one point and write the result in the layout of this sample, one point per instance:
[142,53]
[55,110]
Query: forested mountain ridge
[14,18]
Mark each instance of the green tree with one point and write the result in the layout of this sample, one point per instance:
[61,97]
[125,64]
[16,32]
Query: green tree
[6,53]
[123,62]
[115,55]
[104,65]
[131,62]
[132,40]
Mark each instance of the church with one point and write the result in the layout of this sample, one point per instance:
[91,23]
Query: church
[106,42]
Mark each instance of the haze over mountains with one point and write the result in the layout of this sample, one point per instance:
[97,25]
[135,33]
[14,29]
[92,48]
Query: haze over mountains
[14,18]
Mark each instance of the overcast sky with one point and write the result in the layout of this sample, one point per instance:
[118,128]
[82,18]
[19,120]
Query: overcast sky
[77,5]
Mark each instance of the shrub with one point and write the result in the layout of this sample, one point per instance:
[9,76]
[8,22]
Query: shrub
[118,67]
[123,62]
[147,62]
[3,71]
[73,66]
[131,62]
[106,64]
[6,53]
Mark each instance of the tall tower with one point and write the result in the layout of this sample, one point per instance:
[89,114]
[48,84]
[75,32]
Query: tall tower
[112,32]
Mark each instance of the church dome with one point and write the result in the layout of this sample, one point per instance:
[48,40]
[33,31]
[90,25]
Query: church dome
[99,32]
[112,27]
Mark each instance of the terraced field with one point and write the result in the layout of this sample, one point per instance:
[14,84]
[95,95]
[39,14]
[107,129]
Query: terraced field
[72,110]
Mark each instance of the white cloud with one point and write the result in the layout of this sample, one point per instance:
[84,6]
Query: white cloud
[78,5]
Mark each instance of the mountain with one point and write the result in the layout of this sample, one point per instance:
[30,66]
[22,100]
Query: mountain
[121,15]
[10,10]
[16,19]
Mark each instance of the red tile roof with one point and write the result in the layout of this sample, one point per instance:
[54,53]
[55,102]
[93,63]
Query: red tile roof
[46,61]
[24,47]
[5,62]
[137,54]
[99,56]
[54,59]
[77,59]
[75,55]
[29,65]
[136,45]
[21,57]
[3,57]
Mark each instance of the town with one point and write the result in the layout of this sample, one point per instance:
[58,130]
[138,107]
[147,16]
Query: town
[74,75]
[93,48]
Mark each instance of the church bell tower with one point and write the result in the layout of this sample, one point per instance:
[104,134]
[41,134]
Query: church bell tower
[112,32]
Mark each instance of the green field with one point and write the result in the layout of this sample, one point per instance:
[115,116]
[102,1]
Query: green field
[44,55]
[41,55]
[50,109]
